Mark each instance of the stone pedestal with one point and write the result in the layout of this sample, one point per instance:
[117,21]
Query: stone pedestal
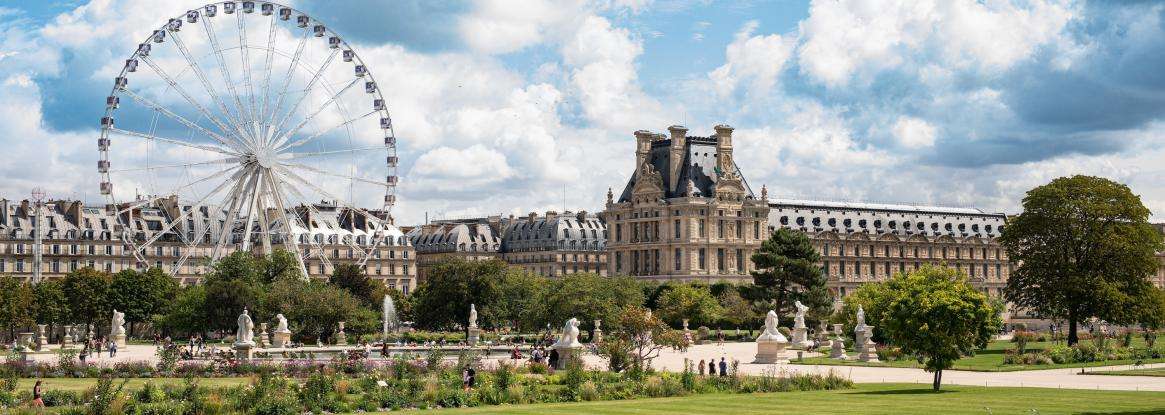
[244,351]
[565,354]
[67,337]
[868,351]
[473,336]
[771,351]
[800,338]
[341,337]
[837,349]
[264,340]
[281,339]
[119,340]
[598,337]
[41,339]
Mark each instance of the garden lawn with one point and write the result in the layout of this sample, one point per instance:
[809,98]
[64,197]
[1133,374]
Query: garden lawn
[80,384]
[867,399]
[1158,372]
[986,360]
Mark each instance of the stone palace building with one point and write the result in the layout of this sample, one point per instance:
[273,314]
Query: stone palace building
[75,235]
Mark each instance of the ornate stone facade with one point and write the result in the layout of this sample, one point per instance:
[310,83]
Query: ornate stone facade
[687,213]
[78,236]
[865,242]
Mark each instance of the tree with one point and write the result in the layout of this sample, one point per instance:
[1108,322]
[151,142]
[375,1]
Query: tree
[16,302]
[354,279]
[787,271]
[51,305]
[187,313]
[641,336]
[281,264]
[519,294]
[450,287]
[234,284]
[935,315]
[1085,248]
[87,291]
[587,297]
[688,301]
[141,295]
[314,309]
[872,298]
[736,310]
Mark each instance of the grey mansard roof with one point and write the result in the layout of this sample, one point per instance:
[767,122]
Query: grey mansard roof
[878,219]
[698,168]
[455,237]
[580,232]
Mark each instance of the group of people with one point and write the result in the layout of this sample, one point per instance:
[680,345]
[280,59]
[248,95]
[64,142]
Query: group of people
[712,367]
[93,347]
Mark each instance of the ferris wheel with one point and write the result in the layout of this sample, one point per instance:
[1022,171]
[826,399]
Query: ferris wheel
[232,125]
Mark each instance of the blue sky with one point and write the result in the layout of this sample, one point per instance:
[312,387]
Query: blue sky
[501,105]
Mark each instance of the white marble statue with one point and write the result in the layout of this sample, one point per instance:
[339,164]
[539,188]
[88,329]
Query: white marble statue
[771,332]
[472,316]
[117,327]
[799,320]
[861,325]
[246,333]
[281,327]
[569,336]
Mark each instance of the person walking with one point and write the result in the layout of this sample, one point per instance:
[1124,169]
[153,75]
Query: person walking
[723,367]
[712,367]
[112,349]
[701,366]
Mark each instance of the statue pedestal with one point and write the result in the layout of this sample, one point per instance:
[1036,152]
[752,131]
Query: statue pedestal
[25,340]
[474,336]
[597,337]
[771,351]
[868,351]
[119,340]
[800,338]
[264,339]
[67,337]
[41,339]
[566,354]
[837,349]
[244,351]
[281,339]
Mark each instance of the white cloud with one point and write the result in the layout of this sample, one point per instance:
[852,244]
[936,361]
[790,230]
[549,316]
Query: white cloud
[755,60]
[496,26]
[913,132]
[604,79]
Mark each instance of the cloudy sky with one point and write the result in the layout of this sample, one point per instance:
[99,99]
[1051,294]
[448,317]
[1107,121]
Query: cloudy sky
[504,106]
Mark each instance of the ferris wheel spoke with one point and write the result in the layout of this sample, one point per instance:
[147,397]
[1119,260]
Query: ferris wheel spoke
[289,232]
[205,81]
[292,175]
[178,219]
[232,144]
[307,90]
[147,136]
[267,72]
[246,61]
[283,137]
[227,160]
[182,91]
[336,175]
[286,80]
[235,200]
[307,139]
[292,156]
[224,71]
[150,200]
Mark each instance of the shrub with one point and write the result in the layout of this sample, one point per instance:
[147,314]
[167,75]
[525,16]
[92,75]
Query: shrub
[57,397]
[318,393]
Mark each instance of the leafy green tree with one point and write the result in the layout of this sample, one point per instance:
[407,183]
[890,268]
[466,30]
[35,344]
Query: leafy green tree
[736,310]
[639,339]
[1085,248]
[87,291]
[450,287]
[935,315]
[16,303]
[141,295]
[587,297]
[281,264]
[872,298]
[315,309]
[519,294]
[187,315]
[787,271]
[235,283]
[354,279]
[693,302]
[52,307]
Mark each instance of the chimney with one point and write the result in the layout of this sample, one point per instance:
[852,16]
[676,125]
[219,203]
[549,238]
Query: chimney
[531,217]
[582,216]
[550,215]
[642,146]
[679,137]
[724,147]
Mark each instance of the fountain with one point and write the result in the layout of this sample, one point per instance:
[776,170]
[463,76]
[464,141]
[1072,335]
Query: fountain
[390,322]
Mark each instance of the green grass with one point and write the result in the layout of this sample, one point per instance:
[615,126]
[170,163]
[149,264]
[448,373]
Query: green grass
[1158,372]
[989,359]
[80,384]
[868,399]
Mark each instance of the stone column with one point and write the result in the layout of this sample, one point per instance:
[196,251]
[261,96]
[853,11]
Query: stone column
[869,352]
[837,344]
[264,341]
[41,340]
[598,337]
[341,337]
[67,336]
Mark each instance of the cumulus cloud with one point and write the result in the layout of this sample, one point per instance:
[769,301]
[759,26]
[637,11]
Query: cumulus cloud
[913,132]
[753,62]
